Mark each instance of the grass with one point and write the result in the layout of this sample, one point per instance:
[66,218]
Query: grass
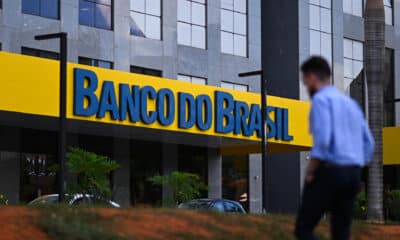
[66,223]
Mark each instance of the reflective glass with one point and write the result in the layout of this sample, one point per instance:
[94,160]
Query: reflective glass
[227,4]
[326,3]
[49,8]
[348,68]
[240,45]
[315,2]
[241,87]
[315,22]
[347,6]
[227,85]
[357,68]
[388,15]
[153,7]
[137,24]
[358,51]
[240,6]
[198,37]
[348,48]
[198,14]
[226,20]
[315,42]
[184,33]
[240,23]
[184,11]
[184,78]
[153,27]
[357,7]
[326,46]
[103,16]
[138,5]
[31,7]
[227,42]
[326,20]
[86,13]
[199,80]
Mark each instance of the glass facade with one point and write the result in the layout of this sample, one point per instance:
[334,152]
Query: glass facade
[192,79]
[145,18]
[234,27]
[235,86]
[192,30]
[321,28]
[388,11]
[95,62]
[353,52]
[39,53]
[235,178]
[389,90]
[146,71]
[96,13]
[43,8]
[353,7]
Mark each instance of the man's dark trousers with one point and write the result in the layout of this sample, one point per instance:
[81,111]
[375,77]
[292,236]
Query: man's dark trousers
[333,190]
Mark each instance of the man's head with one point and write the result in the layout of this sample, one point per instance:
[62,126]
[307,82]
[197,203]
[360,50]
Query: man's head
[316,74]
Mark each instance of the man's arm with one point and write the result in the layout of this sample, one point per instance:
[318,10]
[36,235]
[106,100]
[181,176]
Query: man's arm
[321,130]
[369,142]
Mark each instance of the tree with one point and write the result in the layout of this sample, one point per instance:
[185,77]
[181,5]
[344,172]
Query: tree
[374,67]
[186,186]
[93,172]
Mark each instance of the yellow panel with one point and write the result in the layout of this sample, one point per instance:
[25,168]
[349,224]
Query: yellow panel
[391,145]
[30,85]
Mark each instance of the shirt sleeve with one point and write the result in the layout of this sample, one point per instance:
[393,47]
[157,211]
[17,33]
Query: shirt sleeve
[321,128]
[369,143]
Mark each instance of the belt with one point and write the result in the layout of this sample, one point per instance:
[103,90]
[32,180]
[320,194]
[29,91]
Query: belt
[333,165]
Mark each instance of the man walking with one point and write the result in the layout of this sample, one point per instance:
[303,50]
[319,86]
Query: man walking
[342,145]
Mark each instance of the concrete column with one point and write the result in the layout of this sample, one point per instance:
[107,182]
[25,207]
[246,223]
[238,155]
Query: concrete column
[10,176]
[122,35]
[255,183]
[169,164]
[214,173]
[122,187]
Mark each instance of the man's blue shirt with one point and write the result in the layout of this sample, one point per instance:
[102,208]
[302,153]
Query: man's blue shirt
[340,133]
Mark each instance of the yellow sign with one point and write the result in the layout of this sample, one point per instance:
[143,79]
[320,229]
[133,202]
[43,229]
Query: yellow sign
[391,145]
[31,85]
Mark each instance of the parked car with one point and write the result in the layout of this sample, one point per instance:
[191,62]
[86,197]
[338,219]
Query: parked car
[73,200]
[218,205]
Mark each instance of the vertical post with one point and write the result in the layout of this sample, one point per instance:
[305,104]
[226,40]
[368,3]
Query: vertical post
[264,140]
[62,131]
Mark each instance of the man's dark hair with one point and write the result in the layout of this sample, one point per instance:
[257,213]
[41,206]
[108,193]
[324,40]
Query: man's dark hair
[318,66]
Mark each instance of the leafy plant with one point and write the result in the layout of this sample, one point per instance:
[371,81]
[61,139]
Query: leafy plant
[92,170]
[392,204]
[186,186]
[360,208]
[3,200]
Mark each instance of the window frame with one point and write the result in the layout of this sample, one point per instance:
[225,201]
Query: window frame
[392,12]
[37,53]
[247,29]
[143,69]
[191,79]
[94,25]
[235,85]
[193,24]
[144,13]
[95,62]
[40,14]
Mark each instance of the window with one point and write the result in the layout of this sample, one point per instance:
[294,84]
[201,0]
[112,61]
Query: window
[389,90]
[96,13]
[145,18]
[192,23]
[234,27]
[234,86]
[353,60]
[146,71]
[388,11]
[321,28]
[353,7]
[235,178]
[95,62]
[39,53]
[43,8]
[192,79]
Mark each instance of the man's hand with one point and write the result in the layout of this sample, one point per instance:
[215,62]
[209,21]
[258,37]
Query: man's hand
[314,163]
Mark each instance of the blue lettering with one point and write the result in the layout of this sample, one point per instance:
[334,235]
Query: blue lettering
[204,105]
[255,121]
[81,93]
[146,93]
[129,102]
[270,123]
[165,97]
[108,101]
[187,111]
[286,136]
[278,123]
[224,106]
[241,117]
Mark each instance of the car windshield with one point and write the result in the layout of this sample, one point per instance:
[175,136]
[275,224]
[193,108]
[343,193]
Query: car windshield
[45,200]
[196,204]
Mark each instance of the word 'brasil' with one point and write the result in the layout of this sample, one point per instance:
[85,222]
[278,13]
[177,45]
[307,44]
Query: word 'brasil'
[225,114]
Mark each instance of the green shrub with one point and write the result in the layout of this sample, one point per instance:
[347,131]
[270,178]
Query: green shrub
[360,208]
[93,172]
[3,200]
[392,205]
[186,186]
